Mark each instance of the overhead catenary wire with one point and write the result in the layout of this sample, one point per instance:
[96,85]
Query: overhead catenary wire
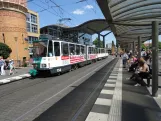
[46,9]
[92,8]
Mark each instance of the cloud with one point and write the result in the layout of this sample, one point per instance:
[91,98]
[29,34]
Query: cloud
[88,7]
[78,12]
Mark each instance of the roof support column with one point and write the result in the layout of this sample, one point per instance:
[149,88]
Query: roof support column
[139,47]
[104,38]
[99,41]
[117,47]
[103,41]
[155,32]
[133,47]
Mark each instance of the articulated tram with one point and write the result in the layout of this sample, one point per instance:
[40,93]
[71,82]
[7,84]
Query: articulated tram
[56,56]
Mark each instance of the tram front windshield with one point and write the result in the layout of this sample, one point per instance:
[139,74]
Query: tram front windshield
[40,49]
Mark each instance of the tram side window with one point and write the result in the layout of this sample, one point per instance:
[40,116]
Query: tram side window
[103,51]
[77,49]
[95,50]
[72,49]
[50,49]
[65,50]
[57,48]
[82,49]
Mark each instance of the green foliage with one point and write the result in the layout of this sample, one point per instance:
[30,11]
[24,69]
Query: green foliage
[5,50]
[159,43]
[143,46]
[95,42]
[25,65]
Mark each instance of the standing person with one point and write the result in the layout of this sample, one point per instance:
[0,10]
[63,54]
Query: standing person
[2,66]
[11,67]
[124,58]
[13,64]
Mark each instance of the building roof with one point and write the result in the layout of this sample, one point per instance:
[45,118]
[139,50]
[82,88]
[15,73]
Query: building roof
[129,19]
[90,27]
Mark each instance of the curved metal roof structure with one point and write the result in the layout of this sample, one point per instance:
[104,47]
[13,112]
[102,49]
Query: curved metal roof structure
[129,19]
[90,27]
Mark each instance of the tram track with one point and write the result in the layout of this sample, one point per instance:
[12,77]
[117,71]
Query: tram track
[77,102]
[27,83]
[28,96]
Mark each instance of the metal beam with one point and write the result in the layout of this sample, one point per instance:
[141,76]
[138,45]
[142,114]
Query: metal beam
[82,35]
[128,24]
[155,58]
[104,38]
[104,29]
[126,8]
[133,47]
[92,30]
[139,47]
[107,33]
[97,31]
[103,41]
[103,4]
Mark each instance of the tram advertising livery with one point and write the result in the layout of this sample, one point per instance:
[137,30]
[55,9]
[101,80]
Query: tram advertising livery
[56,56]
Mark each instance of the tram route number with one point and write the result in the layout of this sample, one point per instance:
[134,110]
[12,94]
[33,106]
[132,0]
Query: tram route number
[58,70]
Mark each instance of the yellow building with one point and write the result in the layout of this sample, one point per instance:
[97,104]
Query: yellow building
[33,28]
[13,28]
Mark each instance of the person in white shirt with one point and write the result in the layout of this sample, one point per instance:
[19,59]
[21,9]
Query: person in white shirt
[124,59]
[2,61]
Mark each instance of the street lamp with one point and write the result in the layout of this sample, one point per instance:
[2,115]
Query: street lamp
[16,38]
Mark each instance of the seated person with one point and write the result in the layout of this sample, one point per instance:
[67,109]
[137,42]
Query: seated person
[142,72]
[134,64]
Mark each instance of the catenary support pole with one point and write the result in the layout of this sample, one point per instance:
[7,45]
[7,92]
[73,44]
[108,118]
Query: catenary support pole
[139,47]
[155,33]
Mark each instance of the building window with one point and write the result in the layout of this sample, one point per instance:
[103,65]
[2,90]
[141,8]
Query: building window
[34,28]
[33,18]
[28,17]
[28,27]
[31,39]
[3,38]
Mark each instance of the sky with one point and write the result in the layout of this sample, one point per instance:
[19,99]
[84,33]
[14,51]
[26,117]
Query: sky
[79,11]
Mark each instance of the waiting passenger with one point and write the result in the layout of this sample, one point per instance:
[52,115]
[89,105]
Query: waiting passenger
[124,59]
[142,72]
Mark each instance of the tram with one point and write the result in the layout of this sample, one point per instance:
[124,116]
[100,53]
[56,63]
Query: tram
[56,56]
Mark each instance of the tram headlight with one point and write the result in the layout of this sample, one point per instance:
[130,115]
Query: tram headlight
[34,65]
[43,65]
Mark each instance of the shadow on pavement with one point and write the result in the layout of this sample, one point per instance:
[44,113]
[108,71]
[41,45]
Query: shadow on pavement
[137,104]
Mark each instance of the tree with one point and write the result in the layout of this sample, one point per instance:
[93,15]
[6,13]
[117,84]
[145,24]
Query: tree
[95,42]
[143,46]
[159,43]
[5,50]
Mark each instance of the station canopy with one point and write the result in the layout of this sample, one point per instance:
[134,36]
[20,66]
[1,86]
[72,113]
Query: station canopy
[91,27]
[129,19]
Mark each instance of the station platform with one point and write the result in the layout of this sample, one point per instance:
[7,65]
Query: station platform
[120,100]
